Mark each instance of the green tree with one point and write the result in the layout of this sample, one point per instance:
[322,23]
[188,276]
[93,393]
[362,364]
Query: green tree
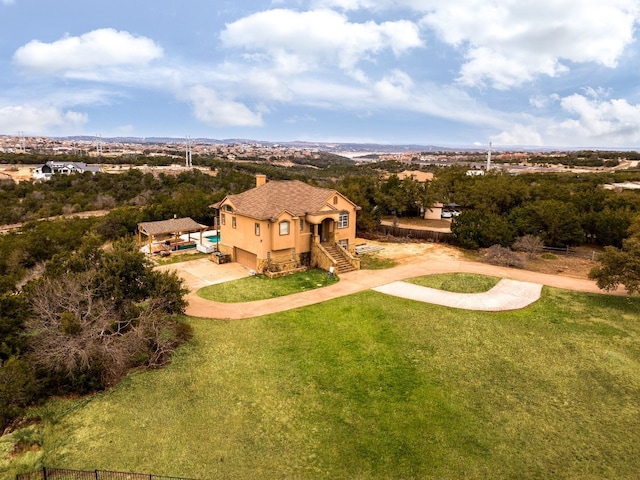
[17,388]
[619,267]
[14,310]
[556,222]
[479,229]
[495,193]
[362,191]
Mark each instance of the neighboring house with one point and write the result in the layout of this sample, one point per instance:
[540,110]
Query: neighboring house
[434,212]
[281,225]
[46,171]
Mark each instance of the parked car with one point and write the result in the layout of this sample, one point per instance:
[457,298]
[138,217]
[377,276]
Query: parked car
[455,212]
[446,214]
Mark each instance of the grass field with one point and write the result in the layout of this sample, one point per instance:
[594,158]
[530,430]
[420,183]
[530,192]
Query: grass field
[373,387]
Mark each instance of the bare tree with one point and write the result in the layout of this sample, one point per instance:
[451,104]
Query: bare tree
[530,244]
[74,332]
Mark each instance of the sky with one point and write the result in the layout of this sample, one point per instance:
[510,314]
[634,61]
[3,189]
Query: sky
[548,73]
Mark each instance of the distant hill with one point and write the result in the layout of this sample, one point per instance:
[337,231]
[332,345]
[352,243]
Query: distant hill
[333,147]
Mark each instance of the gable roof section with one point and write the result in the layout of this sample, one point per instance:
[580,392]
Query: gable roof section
[271,199]
[182,225]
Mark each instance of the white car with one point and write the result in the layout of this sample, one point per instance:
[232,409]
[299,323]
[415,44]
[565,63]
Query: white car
[446,214]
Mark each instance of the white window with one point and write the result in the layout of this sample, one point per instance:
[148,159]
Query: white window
[257,229]
[284,228]
[343,220]
[233,222]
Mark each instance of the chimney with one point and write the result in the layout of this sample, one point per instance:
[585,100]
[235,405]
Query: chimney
[260,179]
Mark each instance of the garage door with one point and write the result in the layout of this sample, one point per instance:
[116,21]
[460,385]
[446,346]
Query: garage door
[245,258]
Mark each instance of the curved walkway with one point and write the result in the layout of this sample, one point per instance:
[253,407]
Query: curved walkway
[350,283]
[506,295]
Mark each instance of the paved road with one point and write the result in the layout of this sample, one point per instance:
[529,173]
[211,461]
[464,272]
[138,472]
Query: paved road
[202,272]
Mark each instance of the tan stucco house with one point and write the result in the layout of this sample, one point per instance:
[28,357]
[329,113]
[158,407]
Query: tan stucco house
[281,225]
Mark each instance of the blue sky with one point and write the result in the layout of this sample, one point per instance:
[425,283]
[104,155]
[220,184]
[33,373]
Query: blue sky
[554,73]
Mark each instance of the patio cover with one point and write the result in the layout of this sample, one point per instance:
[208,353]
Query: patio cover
[175,225]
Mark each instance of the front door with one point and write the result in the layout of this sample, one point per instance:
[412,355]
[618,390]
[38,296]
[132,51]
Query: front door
[325,230]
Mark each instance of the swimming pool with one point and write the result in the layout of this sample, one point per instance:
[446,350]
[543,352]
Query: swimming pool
[213,238]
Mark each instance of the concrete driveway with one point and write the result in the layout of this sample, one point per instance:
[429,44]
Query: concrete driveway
[202,272]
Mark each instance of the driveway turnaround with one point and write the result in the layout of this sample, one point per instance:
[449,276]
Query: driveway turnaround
[506,295]
[199,273]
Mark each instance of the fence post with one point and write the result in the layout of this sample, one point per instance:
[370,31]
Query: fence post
[44,473]
[96,474]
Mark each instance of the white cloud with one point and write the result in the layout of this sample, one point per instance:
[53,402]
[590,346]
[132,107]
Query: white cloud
[40,120]
[210,108]
[396,87]
[612,122]
[518,134]
[305,118]
[507,43]
[585,120]
[307,38]
[94,50]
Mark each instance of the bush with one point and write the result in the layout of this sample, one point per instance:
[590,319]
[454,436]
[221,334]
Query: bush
[502,256]
[17,389]
[530,244]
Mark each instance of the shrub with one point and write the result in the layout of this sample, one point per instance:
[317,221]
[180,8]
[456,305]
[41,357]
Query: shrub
[530,244]
[502,256]
[17,389]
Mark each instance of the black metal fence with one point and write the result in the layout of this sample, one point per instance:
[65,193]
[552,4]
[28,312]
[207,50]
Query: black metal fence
[65,474]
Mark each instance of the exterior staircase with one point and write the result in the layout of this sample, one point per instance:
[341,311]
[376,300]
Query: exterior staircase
[342,264]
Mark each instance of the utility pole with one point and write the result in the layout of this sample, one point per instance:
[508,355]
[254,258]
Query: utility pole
[98,145]
[188,161]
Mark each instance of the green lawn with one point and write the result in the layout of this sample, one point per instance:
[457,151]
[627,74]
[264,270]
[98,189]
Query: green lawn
[374,262]
[260,287]
[457,282]
[373,387]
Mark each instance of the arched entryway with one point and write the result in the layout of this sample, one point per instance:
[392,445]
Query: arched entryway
[326,230]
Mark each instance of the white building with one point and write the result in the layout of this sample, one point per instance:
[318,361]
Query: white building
[46,171]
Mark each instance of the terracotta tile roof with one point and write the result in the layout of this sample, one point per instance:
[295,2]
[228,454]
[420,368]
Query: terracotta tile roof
[182,225]
[274,197]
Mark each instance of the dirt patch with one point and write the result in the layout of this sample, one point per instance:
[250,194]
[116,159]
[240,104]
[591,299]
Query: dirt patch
[22,447]
[17,173]
[408,252]
[565,266]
